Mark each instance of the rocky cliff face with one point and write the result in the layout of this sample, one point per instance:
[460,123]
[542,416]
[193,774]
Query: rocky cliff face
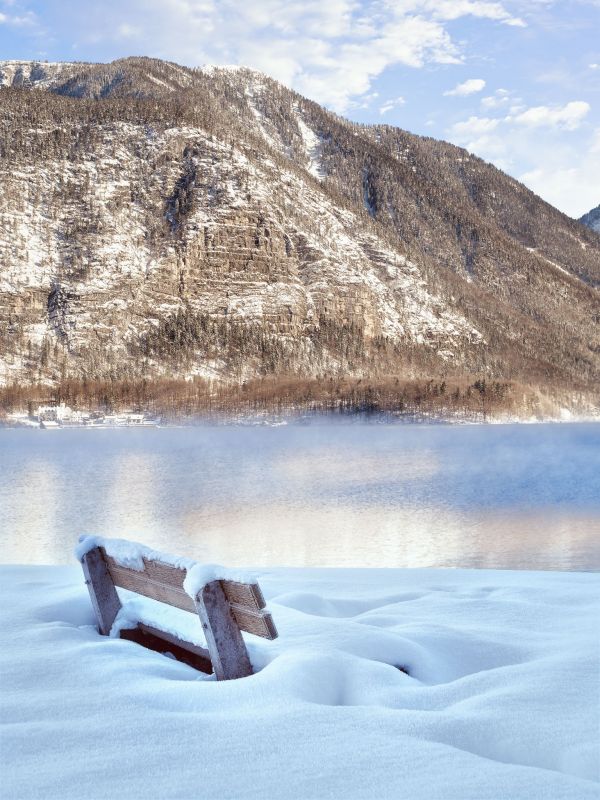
[592,219]
[157,220]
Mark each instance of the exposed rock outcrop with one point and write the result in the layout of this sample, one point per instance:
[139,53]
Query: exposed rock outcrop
[158,220]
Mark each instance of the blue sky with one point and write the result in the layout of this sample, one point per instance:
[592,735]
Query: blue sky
[517,82]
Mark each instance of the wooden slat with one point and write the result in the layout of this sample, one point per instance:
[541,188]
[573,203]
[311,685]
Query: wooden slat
[154,570]
[138,582]
[164,573]
[167,581]
[163,642]
[259,623]
[244,594]
[103,594]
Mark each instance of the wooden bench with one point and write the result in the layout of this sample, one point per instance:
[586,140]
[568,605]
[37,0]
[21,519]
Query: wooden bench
[225,607]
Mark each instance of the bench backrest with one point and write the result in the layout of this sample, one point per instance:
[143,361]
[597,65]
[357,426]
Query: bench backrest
[225,607]
[164,582]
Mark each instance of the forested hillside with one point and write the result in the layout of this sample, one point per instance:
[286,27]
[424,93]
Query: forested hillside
[158,221]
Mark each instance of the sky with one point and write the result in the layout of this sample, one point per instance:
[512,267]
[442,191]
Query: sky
[516,82]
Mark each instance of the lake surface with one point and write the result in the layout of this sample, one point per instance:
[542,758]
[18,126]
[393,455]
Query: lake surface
[327,493]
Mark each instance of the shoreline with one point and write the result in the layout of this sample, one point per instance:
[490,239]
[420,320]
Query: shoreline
[21,421]
[285,399]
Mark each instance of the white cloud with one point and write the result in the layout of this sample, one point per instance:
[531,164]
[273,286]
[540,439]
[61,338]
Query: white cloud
[18,20]
[331,51]
[471,86]
[563,168]
[501,97]
[391,104]
[454,9]
[365,100]
[474,126]
[569,116]
[574,189]
[334,73]
[126,31]
[594,66]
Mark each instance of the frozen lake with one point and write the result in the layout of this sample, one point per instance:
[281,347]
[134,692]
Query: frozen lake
[320,494]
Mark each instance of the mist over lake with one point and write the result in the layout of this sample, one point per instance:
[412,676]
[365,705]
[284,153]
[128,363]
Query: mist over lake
[326,493]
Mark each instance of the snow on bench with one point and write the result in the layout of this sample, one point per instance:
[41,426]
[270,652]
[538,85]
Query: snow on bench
[226,603]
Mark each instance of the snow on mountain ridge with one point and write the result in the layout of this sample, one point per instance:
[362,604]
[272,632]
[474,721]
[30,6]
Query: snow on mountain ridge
[592,219]
[144,280]
[37,74]
[176,228]
[312,145]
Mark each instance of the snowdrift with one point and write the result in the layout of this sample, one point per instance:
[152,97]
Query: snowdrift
[500,699]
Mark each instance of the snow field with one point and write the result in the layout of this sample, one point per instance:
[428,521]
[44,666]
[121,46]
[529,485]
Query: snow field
[501,700]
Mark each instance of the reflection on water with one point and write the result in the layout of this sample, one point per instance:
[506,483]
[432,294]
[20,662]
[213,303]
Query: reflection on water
[384,537]
[34,486]
[326,494]
[344,466]
[132,493]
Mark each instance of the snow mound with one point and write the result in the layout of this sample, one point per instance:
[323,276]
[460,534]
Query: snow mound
[428,684]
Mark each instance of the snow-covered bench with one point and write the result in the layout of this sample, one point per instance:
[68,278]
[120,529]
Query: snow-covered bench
[227,604]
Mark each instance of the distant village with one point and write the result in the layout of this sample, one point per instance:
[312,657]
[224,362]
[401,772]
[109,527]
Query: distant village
[61,415]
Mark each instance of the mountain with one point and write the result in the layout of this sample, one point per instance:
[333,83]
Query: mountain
[592,219]
[158,220]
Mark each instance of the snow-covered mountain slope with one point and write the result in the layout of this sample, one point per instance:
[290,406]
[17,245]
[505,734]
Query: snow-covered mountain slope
[36,74]
[592,219]
[160,220]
